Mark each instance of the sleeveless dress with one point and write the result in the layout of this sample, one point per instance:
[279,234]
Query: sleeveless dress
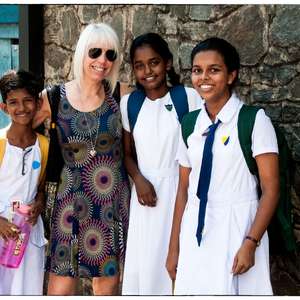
[90,216]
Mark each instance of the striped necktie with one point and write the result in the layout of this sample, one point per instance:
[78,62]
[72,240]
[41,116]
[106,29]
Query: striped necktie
[204,178]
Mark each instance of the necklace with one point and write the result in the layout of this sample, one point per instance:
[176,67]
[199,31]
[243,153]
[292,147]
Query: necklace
[93,151]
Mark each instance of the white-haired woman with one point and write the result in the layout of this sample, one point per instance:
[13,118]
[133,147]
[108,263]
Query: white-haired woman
[90,215]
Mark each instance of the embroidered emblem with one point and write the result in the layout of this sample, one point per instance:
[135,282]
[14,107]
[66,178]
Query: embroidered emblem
[225,140]
[35,164]
[169,107]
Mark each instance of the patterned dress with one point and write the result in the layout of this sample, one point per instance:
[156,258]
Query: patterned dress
[90,217]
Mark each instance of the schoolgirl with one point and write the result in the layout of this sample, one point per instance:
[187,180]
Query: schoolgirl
[219,243]
[152,135]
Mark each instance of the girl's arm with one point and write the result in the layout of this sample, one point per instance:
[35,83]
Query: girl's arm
[144,189]
[44,112]
[268,169]
[181,199]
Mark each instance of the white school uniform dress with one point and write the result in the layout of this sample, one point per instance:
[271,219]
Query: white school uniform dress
[231,208]
[28,278]
[156,140]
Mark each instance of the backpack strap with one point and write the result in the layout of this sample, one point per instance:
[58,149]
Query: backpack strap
[246,120]
[188,124]
[44,147]
[55,159]
[179,99]
[53,94]
[134,105]
[3,141]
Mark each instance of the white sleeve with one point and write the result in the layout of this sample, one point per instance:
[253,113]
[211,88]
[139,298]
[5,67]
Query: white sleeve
[263,135]
[194,99]
[181,154]
[124,113]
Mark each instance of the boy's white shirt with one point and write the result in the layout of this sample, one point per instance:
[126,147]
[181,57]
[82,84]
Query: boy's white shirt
[15,186]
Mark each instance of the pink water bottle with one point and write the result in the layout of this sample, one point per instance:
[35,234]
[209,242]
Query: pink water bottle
[12,251]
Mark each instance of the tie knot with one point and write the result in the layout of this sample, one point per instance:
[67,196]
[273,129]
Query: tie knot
[214,125]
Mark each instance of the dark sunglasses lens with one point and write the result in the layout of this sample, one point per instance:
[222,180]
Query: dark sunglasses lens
[95,52]
[111,55]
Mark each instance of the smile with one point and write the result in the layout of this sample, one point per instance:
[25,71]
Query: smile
[150,78]
[206,87]
[98,69]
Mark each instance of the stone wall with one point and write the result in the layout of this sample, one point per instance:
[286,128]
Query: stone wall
[266,36]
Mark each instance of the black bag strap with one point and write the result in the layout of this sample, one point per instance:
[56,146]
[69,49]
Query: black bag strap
[55,159]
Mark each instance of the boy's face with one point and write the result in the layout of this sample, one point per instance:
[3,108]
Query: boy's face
[21,106]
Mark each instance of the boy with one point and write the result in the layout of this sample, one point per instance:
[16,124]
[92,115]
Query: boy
[23,157]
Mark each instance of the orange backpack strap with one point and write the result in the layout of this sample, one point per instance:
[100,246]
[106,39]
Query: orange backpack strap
[44,148]
[3,141]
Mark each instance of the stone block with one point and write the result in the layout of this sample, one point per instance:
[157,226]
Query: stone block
[71,29]
[246,30]
[200,12]
[185,54]
[285,30]
[144,21]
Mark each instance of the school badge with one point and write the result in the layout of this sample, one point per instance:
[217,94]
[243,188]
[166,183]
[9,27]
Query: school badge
[169,107]
[225,140]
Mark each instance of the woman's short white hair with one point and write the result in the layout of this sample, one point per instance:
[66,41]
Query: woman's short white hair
[95,34]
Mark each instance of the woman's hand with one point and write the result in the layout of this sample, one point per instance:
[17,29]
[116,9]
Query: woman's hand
[145,191]
[171,263]
[36,208]
[245,258]
[8,230]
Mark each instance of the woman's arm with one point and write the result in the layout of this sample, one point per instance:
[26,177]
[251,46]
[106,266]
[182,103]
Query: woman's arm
[144,189]
[181,199]
[44,112]
[268,169]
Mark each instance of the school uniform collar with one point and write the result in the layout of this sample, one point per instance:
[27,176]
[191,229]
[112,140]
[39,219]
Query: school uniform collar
[229,109]
[225,114]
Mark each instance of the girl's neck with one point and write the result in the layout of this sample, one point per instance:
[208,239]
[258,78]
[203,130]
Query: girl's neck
[21,136]
[157,93]
[213,108]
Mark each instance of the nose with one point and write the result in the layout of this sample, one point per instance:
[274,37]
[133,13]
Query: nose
[204,75]
[147,69]
[21,106]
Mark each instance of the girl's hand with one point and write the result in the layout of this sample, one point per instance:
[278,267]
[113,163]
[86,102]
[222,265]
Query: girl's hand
[145,191]
[244,259]
[171,263]
[8,230]
[36,209]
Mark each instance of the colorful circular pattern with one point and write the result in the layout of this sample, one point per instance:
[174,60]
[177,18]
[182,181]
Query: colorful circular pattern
[62,253]
[84,124]
[64,220]
[107,214]
[109,267]
[94,242]
[104,142]
[64,269]
[65,110]
[114,125]
[75,152]
[82,206]
[65,183]
[100,179]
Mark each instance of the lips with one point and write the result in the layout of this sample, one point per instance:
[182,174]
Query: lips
[150,78]
[206,87]
[98,69]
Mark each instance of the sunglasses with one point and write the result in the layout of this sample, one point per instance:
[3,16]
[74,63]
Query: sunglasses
[110,54]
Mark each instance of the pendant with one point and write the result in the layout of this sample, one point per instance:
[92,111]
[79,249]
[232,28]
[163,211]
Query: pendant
[93,152]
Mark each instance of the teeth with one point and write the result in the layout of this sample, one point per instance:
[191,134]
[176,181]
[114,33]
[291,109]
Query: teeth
[99,69]
[205,86]
[149,78]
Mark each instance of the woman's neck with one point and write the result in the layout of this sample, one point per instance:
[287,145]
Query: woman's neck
[21,136]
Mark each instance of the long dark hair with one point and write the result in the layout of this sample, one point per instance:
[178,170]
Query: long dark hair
[161,47]
[225,49]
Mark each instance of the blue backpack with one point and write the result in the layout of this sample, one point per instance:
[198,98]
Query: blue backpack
[137,97]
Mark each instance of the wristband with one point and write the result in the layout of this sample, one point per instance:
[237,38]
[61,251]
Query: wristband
[252,239]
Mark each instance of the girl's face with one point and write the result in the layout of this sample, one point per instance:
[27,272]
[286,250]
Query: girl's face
[21,106]
[210,76]
[97,63]
[150,69]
